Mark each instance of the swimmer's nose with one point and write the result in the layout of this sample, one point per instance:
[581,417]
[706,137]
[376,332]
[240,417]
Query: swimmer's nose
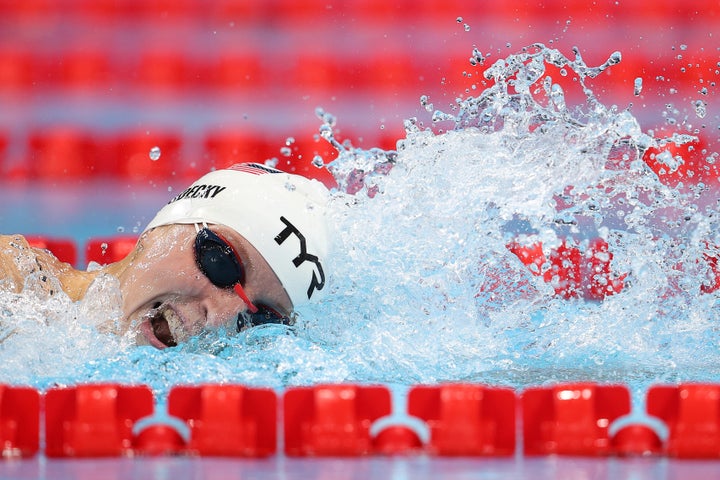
[222,309]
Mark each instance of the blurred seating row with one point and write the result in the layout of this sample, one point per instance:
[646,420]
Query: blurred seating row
[237,70]
[368,10]
[455,419]
[381,71]
[68,154]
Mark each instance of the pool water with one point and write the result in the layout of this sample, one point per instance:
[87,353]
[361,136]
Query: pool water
[425,287]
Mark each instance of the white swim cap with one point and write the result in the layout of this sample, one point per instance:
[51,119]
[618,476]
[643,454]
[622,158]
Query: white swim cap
[282,215]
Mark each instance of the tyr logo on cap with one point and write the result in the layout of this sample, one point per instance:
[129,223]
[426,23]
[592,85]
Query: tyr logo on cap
[290,229]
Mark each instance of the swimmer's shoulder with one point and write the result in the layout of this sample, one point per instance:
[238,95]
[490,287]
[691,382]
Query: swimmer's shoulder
[19,259]
[12,248]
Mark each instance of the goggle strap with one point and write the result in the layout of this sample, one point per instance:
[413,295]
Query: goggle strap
[241,293]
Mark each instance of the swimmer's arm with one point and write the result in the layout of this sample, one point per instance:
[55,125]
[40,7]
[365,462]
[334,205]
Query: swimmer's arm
[11,279]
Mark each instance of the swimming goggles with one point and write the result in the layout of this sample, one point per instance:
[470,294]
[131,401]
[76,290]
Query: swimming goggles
[221,264]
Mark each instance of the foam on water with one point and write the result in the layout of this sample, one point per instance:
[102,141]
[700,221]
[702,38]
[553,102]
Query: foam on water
[423,286]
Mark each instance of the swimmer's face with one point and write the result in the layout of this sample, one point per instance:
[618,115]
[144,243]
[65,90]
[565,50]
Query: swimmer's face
[167,298]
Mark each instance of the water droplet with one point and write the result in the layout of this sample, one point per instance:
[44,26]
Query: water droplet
[459,19]
[318,161]
[637,86]
[700,109]
[289,141]
[120,229]
[286,151]
[155,153]
[466,27]
[103,247]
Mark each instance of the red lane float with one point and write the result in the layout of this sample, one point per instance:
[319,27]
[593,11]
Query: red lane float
[466,419]
[396,440]
[227,420]
[572,419]
[19,421]
[335,420]
[692,414]
[94,420]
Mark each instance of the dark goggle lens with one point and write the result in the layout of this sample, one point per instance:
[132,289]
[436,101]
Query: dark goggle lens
[217,260]
[264,315]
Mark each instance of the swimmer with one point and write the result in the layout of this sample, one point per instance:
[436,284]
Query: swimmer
[240,247]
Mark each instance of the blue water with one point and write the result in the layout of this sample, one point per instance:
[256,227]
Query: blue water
[423,286]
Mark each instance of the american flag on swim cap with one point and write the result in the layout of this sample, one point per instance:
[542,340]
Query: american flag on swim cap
[253,168]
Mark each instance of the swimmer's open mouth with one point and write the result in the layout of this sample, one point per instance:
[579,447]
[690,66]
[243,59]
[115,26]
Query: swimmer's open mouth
[163,321]
[161,329]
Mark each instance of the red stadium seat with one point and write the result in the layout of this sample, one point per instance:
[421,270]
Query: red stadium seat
[572,419]
[298,154]
[62,154]
[223,148]
[379,12]
[239,12]
[63,248]
[163,10]
[466,419]
[19,421]
[94,420]
[393,72]
[110,249]
[240,71]
[291,12]
[164,70]
[81,68]
[227,420]
[18,68]
[332,419]
[4,142]
[28,11]
[319,72]
[136,158]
